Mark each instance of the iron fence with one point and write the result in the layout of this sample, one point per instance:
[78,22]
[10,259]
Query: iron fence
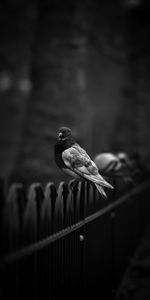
[69,242]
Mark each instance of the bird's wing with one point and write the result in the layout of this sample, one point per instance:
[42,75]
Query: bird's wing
[76,159]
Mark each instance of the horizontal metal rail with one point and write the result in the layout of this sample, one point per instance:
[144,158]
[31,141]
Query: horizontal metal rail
[28,250]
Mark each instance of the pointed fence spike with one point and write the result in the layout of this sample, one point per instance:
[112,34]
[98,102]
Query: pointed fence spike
[82,200]
[33,212]
[65,193]
[74,199]
[78,201]
[12,222]
[47,211]
[59,208]
[70,204]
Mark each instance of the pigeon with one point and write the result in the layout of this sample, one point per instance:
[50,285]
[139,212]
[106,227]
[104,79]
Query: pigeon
[75,162]
[133,164]
[107,163]
[124,158]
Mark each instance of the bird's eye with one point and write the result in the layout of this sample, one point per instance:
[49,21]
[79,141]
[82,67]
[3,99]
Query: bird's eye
[60,134]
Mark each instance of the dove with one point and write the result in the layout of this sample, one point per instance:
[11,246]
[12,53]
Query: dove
[124,158]
[75,162]
[133,164]
[107,163]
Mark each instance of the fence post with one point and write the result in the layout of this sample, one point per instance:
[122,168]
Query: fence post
[47,210]
[12,235]
[12,218]
[32,214]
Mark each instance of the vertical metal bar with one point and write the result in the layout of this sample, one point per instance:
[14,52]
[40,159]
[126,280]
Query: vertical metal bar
[83,238]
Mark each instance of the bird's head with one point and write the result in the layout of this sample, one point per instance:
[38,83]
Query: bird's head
[123,156]
[64,133]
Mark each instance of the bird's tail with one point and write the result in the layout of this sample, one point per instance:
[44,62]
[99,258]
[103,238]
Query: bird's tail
[99,180]
[101,191]
[106,184]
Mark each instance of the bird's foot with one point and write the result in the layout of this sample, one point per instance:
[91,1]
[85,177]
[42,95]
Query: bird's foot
[73,183]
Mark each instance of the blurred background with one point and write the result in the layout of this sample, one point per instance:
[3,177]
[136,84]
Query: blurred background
[83,64]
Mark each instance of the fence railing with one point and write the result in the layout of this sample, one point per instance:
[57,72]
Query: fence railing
[69,242]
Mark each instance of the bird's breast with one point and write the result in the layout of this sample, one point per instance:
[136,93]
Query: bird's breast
[59,161]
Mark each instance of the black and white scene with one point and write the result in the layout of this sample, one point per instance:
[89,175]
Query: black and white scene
[75,149]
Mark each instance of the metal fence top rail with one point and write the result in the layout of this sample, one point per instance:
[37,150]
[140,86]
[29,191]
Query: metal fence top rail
[28,250]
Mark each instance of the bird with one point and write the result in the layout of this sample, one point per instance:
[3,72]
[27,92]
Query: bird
[108,163]
[133,164]
[74,161]
[124,158]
